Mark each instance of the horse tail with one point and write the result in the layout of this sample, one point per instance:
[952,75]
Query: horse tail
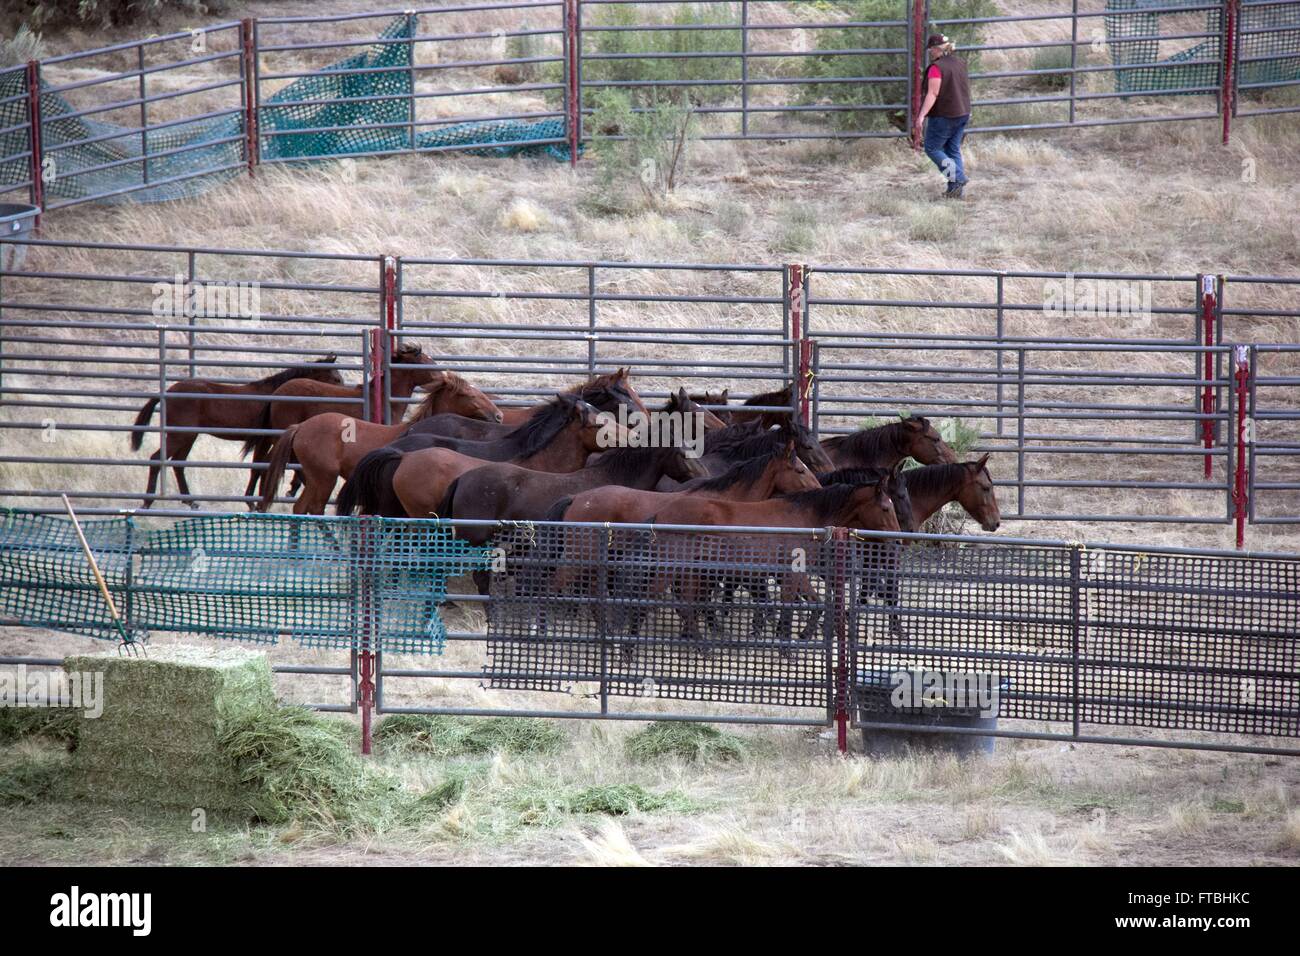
[264,423]
[141,420]
[445,506]
[557,510]
[370,479]
[281,453]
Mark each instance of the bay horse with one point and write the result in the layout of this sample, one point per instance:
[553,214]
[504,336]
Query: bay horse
[328,446]
[968,483]
[886,445]
[898,488]
[716,398]
[216,406]
[604,392]
[686,557]
[316,398]
[398,482]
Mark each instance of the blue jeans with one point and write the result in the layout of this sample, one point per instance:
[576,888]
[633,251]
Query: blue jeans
[943,145]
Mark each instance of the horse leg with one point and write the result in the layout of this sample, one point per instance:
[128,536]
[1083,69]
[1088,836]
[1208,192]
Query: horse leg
[153,478]
[260,456]
[183,445]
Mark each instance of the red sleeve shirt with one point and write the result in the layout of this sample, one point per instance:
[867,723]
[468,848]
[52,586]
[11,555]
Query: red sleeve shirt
[933,73]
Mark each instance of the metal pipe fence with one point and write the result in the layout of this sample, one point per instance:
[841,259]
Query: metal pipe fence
[1131,415]
[766,625]
[171,115]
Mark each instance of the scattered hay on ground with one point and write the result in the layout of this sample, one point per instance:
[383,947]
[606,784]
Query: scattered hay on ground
[447,736]
[686,741]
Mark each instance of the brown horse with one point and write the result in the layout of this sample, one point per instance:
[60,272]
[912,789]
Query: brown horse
[222,410]
[686,557]
[782,398]
[968,483]
[887,445]
[506,492]
[898,492]
[329,446]
[619,380]
[604,392]
[316,398]
[777,473]
[395,482]
[716,399]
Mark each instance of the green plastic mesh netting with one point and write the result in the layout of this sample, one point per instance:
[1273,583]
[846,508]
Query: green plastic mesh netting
[95,159]
[1269,49]
[253,577]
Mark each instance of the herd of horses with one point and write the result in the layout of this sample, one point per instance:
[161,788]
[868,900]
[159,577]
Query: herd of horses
[460,456]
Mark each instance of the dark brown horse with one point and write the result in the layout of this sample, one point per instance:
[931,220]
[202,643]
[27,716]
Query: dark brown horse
[401,482]
[506,492]
[887,445]
[329,446]
[869,476]
[968,483]
[726,446]
[220,409]
[604,392]
[782,398]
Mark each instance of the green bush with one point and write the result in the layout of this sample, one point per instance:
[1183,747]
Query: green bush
[1050,58]
[827,65]
[637,68]
[648,157]
[107,13]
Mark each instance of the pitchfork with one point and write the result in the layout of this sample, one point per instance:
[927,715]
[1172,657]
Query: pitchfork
[128,644]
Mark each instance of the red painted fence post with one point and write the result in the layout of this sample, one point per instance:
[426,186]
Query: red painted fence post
[917,24]
[34,117]
[248,71]
[1228,58]
[573,76]
[1207,389]
[1241,480]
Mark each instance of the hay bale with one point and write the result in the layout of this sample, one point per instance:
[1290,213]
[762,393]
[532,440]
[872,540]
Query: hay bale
[159,738]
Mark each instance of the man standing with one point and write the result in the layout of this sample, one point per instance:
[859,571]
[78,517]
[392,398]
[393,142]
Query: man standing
[947,104]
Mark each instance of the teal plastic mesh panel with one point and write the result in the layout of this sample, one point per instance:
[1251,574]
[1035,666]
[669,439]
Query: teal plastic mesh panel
[188,159]
[259,578]
[1269,50]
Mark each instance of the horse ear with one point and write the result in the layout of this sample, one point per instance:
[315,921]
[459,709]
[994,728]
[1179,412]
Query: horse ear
[682,396]
[914,424]
[621,374]
[789,450]
[726,392]
[980,465]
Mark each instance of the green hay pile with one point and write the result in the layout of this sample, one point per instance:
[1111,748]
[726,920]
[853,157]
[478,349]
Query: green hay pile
[294,765]
[160,737]
[53,723]
[665,739]
[446,736]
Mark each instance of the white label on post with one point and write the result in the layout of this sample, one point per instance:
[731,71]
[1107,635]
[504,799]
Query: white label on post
[1207,285]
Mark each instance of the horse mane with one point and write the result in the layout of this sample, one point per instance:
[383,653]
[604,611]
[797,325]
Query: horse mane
[933,479]
[425,409]
[825,503]
[900,491]
[852,476]
[781,396]
[543,425]
[754,446]
[277,379]
[870,443]
[600,392]
[741,473]
[622,465]
[721,439]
